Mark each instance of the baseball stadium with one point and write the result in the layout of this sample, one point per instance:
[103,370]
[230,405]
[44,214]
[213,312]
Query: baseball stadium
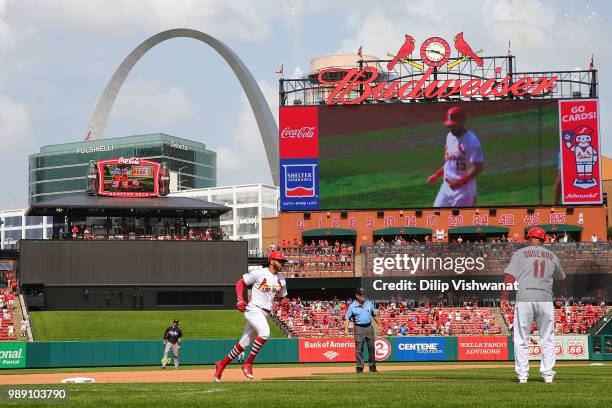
[443,221]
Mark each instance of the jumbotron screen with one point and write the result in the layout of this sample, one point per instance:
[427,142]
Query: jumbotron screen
[129,177]
[403,156]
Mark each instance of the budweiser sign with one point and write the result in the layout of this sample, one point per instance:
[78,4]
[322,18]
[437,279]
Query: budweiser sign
[305,132]
[131,160]
[425,86]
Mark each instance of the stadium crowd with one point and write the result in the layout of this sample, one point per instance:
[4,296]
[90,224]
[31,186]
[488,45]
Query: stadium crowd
[571,317]
[317,258]
[7,306]
[178,233]
[301,318]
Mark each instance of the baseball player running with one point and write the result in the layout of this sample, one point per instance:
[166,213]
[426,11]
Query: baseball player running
[268,286]
[463,162]
[172,340]
[534,268]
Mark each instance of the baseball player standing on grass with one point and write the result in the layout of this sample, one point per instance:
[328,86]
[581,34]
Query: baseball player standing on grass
[534,268]
[463,162]
[268,286]
[172,340]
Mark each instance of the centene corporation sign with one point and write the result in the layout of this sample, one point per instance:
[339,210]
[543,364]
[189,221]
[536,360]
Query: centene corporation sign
[353,78]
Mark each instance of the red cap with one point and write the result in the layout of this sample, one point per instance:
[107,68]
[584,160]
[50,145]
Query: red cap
[278,255]
[583,130]
[454,116]
[536,232]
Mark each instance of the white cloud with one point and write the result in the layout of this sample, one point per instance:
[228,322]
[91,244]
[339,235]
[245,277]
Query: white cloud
[152,104]
[243,159]
[242,19]
[6,34]
[15,139]
[15,132]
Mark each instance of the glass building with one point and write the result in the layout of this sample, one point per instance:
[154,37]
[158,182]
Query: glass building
[17,226]
[60,170]
[249,202]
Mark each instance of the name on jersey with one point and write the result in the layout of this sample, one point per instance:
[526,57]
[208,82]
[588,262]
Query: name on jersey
[537,253]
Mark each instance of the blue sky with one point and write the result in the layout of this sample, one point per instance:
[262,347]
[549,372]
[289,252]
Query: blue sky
[56,56]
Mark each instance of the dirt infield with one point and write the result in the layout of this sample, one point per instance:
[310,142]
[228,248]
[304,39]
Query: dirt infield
[230,374]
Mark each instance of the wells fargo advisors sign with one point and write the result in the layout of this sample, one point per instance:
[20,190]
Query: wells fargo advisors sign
[434,53]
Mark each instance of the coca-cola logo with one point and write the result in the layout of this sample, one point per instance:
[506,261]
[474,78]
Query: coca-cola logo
[131,160]
[305,132]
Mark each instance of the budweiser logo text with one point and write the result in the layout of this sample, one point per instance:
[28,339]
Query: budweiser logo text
[305,132]
[425,87]
[131,160]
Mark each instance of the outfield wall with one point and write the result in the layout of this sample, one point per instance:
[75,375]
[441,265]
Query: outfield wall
[303,350]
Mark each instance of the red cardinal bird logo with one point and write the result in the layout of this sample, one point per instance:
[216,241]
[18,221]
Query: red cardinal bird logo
[404,51]
[464,48]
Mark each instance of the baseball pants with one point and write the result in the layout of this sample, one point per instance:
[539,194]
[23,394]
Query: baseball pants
[464,196]
[256,326]
[544,315]
[175,352]
[365,334]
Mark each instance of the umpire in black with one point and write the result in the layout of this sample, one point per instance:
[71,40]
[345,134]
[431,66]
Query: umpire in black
[362,312]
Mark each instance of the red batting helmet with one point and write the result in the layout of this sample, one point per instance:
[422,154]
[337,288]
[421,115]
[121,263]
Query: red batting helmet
[455,116]
[536,232]
[277,255]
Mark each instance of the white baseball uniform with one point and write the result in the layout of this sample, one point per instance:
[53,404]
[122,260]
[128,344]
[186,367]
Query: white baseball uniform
[460,155]
[534,268]
[266,287]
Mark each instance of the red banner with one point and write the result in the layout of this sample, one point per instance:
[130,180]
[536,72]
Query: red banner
[580,152]
[327,350]
[482,347]
[298,133]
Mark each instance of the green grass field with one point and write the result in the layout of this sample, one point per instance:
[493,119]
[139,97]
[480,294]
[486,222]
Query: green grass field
[139,325]
[585,387]
[391,166]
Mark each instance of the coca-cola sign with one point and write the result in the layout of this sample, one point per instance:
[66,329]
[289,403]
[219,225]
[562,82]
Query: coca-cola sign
[132,161]
[298,134]
[305,132]
[346,81]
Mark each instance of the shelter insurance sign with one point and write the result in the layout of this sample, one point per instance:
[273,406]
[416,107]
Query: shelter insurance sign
[580,152]
[12,354]
[299,158]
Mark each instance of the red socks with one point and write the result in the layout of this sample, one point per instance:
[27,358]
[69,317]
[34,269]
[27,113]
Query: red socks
[232,354]
[257,345]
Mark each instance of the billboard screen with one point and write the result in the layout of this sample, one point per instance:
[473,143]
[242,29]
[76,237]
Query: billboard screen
[128,177]
[374,156]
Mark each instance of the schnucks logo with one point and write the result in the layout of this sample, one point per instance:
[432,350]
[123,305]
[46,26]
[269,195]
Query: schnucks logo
[299,180]
[12,355]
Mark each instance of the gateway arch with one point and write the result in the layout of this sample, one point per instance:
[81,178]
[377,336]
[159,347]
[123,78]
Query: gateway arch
[265,121]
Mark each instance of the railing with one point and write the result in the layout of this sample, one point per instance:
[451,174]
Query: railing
[568,84]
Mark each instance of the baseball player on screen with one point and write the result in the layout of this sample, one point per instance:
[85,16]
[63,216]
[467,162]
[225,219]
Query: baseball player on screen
[534,268]
[463,162]
[268,286]
[172,340]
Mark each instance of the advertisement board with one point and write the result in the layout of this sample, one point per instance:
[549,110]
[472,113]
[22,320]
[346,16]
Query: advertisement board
[12,354]
[580,152]
[338,349]
[420,349]
[128,177]
[574,347]
[482,347]
[384,156]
